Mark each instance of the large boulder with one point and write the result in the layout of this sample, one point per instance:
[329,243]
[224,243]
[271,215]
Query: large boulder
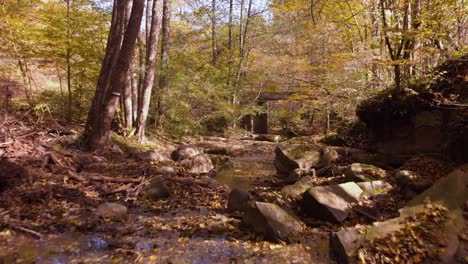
[112,212]
[359,172]
[198,164]
[331,203]
[296,190]
[185,152]
[157,189]
[289,158]
[272,221]
[238,200]
[450,192]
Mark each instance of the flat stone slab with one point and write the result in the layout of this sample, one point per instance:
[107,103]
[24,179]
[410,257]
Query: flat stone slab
[272,221]
[374,188]
[331,203]
[359,172]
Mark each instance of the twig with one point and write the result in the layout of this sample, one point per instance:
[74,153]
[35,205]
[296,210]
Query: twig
[121,189]
[25,230]
[54,159]
[75,176]
[6,144]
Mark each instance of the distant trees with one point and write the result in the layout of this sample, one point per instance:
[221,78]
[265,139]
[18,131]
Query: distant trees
[201,69]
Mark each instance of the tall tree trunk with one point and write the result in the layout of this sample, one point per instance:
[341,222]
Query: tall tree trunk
[70,96]
[163,79]
[148,81]
[242,49]
[114,43]
[127,103]
[100,134]
[213,33]
[230,48]
[134,85]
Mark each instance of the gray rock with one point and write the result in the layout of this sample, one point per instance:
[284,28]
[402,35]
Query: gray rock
[238,200]
[343,244]
[374,188]
[112,212]
[272,221]
[412,181]
[331,203]
[296,190]
[198,164]
[152,155]
[168,170]
[359,172]
[185,152]
[289,158]
[157,189]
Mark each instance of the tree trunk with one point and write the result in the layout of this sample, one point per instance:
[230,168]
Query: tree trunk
[70,96]
[100,134]
[163,80]
[230,55]
[148,81]
[114,43]
[213,33]
[127,103]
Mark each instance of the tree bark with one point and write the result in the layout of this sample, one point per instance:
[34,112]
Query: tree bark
[100,134]
[230,55]
[68,58]
[214,46]
[114,42]
[148,80]
[163,80]
[127,103]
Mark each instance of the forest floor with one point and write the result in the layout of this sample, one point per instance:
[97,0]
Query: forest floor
[49,191]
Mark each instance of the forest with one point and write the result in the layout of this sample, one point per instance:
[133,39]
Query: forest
[233,131]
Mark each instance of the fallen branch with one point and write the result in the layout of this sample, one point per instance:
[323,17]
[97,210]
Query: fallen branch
[77,177]
[24,229]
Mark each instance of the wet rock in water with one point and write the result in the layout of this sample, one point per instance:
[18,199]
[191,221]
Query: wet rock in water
[198,164]
[272,221]
[374,188]
[152,155]
[112,211]
[185,152]
[412,181]
[168,170]
[296,190]
[292,157]
[331,203]
[157,189]
[359,172]
[238,200]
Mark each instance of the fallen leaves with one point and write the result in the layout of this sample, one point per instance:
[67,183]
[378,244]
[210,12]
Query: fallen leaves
[418,241]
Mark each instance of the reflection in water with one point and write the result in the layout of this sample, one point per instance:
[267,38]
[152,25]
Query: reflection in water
[55,249]
[243,171]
